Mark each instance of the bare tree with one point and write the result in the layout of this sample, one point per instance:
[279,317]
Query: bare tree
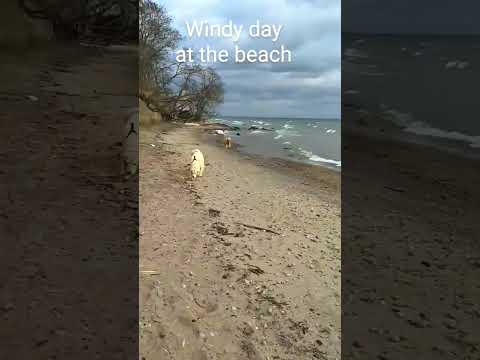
[157,39]
[177,90]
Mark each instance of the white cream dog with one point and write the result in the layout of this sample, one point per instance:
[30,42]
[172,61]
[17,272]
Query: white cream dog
[197,165]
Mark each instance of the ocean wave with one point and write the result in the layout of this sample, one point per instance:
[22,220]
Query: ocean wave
[285,133]
[257,132]
[457,64]
[355,53]
[288,126]
[316,158]
[420,128]
[237,122]
[331,131]
[372,73]
[397,117]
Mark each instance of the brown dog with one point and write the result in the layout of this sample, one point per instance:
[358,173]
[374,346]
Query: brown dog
[227,142]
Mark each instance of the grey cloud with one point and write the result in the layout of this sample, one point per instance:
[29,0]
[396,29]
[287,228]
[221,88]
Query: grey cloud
[307,87]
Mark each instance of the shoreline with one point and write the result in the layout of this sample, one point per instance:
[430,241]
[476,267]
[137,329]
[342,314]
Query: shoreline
[328,176]
[375,127]
[431,196]
[209,127]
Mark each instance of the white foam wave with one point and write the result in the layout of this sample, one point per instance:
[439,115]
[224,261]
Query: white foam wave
[316,158]
[258,132]
[285,132]
[351,92]
[397,117]
[331,131]
[457,64]
[420,128]
[288,126]
[237,122]
[355,53]
[372,73]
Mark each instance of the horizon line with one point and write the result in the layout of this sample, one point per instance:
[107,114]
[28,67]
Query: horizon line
[406,33]
[282,117]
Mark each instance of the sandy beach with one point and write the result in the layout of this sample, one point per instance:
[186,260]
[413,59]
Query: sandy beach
[410,259]
[68,221]
[243,263]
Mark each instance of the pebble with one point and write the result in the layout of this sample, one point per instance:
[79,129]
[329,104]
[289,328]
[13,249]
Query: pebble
[394,339]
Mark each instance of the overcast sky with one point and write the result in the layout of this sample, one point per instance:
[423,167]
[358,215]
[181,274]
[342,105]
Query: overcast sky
[307,87]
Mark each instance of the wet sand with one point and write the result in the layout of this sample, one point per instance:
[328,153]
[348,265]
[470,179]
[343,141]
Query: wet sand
[410,258]
[68,221]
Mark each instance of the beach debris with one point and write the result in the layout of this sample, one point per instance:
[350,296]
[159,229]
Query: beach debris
[32,98]
[221,229]
[150,272]
[259,228]
[239,234]
[213,212]
[391,188]
[249,328]
[272,300]
[255,269]
[253,127]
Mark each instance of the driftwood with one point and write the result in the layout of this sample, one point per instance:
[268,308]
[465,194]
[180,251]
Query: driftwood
[259,228]
[394,189]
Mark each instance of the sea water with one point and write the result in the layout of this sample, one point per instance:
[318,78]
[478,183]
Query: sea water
[426,85]
[312,141]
